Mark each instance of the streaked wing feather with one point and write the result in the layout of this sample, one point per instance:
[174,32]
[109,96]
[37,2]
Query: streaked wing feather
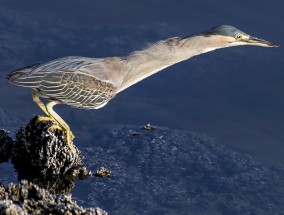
[91,66]
[78,90]
[32,75]
[77,81]
[29,81]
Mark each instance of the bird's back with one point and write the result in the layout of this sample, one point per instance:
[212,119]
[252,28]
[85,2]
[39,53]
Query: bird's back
[81,82]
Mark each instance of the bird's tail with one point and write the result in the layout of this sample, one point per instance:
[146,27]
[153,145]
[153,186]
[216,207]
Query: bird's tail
[12,76]
[22,77]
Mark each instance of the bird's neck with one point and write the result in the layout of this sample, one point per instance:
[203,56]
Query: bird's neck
[142,64]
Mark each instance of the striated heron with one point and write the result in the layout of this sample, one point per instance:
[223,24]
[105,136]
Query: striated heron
[89,83]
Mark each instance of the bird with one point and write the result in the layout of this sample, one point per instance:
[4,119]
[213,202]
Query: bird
[90,83]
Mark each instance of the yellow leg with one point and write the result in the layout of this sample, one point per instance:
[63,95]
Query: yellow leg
[39,102]
[44,118]
[61,122]
[52,115]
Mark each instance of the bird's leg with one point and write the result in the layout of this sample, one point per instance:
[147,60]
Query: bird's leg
[53,116]
[61,122]
[37,100]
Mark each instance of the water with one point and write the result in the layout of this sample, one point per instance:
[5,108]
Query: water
[233,95]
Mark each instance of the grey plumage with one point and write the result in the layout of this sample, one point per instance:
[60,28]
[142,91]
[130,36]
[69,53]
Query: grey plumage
[225,30]
[90,83]
[76,81]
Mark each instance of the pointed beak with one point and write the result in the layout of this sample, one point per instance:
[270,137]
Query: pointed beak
[260,42]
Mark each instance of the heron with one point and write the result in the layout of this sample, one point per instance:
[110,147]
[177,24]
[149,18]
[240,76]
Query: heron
[90,83]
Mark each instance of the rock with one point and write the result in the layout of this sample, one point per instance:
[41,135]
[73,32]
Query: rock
[167,171]
[42,156]
[162,171]
[103,172]
[29,198]
[6,144]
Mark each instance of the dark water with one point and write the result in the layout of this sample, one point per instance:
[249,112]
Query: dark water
[233,95]
[175,172]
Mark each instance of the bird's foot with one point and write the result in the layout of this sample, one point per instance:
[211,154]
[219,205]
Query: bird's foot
[55,127]
[69,139]
[44,118]
[69,135]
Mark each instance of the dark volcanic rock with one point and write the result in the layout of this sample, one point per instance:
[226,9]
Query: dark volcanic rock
[153,171]
[6,144]
[42,156]
[28,198]
[166,171]
[103,172]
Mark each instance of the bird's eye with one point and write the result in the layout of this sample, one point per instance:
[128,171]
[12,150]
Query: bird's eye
[239,36]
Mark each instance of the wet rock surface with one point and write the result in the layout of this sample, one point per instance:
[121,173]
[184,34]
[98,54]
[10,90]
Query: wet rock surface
[103,172]
[166,171]
[160,171]
[42,156]
[28,198]
[6,144]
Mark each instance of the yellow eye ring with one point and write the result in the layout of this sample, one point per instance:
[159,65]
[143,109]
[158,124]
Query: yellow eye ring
[239,36]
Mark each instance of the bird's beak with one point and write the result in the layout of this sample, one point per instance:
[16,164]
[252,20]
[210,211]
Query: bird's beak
[260,42]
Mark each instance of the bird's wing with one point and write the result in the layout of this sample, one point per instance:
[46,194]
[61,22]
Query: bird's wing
[31,75]
[77,89]
[76,81]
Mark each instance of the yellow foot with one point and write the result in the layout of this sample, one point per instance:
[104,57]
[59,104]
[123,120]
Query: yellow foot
[69,138]
[44,118]
[55,127]
[69,135]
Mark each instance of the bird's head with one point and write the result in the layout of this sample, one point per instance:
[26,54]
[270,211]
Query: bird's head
[227,36]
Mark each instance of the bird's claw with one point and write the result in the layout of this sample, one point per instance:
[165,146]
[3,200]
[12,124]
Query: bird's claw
[69,138]
[44,118]
[55,127]
[69,135]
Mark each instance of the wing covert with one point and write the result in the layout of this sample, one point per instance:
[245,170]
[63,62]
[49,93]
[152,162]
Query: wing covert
[77,89]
